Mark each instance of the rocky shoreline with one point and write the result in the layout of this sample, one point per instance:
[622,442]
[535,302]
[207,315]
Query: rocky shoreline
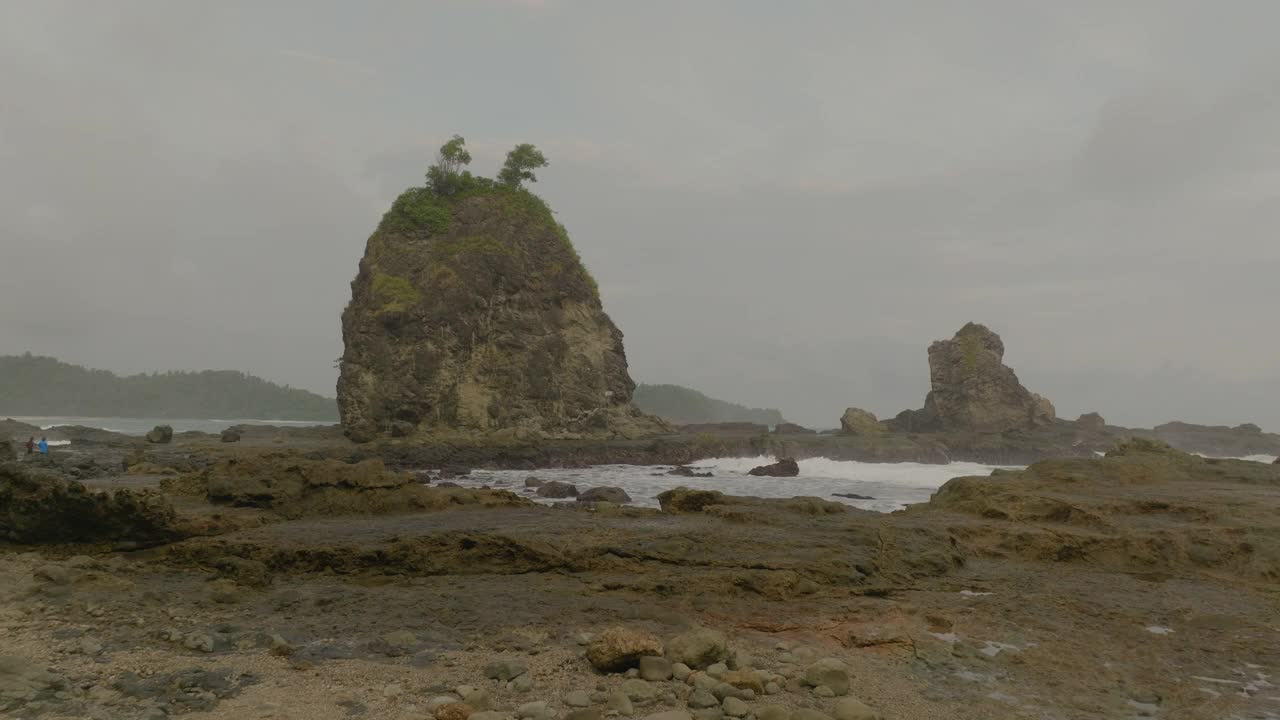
[293,574]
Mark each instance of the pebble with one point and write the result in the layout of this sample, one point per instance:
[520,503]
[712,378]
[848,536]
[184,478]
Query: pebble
[823,691]
[632,673]
[830,672]
[733,707]
[772,688]
[577,699]
[454,711]
[640,692]
[198,641]
[523,683]
[851,709]
[724,690]
[439,701]
[280,647]
[505,670]
[680,671]
[620,703]
[717,670]
[702,681]
[700,698]
[55,574]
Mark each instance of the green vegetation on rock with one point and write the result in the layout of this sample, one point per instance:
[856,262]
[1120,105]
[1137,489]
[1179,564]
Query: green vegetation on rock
[396,293]
[685,406]
[34,385]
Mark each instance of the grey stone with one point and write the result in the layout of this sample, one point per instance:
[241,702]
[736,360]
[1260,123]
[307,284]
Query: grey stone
[717,670]
[620,703]
[830,672]
[823,691]
[55,574]
[702,699]
[640,692]
[724,690]
[534,711]
[772,688]
[680,671]
[577,699]
[698,648]
[614,495]
[521,683]
[733,707]
[773,712]
[556,489]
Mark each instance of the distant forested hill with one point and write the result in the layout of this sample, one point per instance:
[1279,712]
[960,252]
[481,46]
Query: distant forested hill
[682,405]
[34,385]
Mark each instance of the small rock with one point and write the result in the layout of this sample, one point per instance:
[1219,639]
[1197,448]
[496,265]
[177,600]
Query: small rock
[439,701]
[504,670]
[733,707]
[717,670]
[476,698]
[619,648]
[532,482]
[632,673]
[772,688]
[714,713]
[198,641]
[698,648]
[454,711]
[88,646]
[230,435]
[656,669]
[620,703]
[823,691]
[533,711]
[851,709]
[556,489]
[640,692]
[749,679]
[699,699]
[615,495]
[577,699]
[702,681]
[522,683]
[723,690]
[584,714]
[280,647]
[55,574]
[830,672]
[680,671]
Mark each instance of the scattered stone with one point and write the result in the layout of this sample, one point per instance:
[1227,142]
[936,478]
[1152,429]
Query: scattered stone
[532,482]
[230,435]
[723,690]
[717,670]
[698,648]
[619,648]
[746,679]
[577,699]
[504,670]
[88,646]
[655,669]
[772,688]
[829,672]
[633,673]
[680,671]
[521,683]
[851,709]
[702,681]
[475,698]
[615,495]
[620,703]
[393,690]
[556,489]
[823,691]
[395,644]
[199,641]
[640,692]
[733,707]
[686,471]
[702,699]
[785,467]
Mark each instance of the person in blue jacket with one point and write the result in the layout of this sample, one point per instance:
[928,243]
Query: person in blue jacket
[44,446]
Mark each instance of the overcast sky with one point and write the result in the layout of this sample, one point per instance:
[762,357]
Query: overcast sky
[783,202]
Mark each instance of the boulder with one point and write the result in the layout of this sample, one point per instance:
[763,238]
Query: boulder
[615,495]
[230,435]
[160,434]
[556,489]
[620,648]
[698,648]
[830,673]
[787,428]
[472,314]
[973,390]
[686,471]
[1091,422]
[856,421]
[785,467]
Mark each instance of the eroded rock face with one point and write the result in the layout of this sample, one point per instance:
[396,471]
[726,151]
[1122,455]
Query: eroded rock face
[972,388]
[785,467]
[41,507]
[474,314]
[857,421]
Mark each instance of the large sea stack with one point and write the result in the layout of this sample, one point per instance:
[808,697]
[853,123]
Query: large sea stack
[473,314]
[973,390]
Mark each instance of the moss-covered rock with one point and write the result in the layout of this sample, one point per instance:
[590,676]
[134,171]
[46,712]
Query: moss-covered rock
[473,314]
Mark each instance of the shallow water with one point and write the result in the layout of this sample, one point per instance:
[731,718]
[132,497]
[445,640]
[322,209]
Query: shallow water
[891,485]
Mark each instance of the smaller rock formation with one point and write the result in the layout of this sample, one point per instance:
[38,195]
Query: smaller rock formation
[618,649]
[230,435]
[160,434]
[974,391]
[785,467]
[556,490]
[686,471]
[787,428]
[1091,422]
[857,421]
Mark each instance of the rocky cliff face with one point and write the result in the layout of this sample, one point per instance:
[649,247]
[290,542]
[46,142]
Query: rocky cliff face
[474,314]
[973,390]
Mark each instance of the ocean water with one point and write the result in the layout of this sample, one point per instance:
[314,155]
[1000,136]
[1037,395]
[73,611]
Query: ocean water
[140,426]
[892,486]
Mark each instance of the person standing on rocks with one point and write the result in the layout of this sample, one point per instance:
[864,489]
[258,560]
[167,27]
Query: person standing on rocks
[31,444]
[44,446]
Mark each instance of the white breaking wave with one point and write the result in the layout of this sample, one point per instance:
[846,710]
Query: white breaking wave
[885,487]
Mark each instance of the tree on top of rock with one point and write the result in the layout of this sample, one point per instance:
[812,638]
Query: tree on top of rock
[521,162]
[449,174]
